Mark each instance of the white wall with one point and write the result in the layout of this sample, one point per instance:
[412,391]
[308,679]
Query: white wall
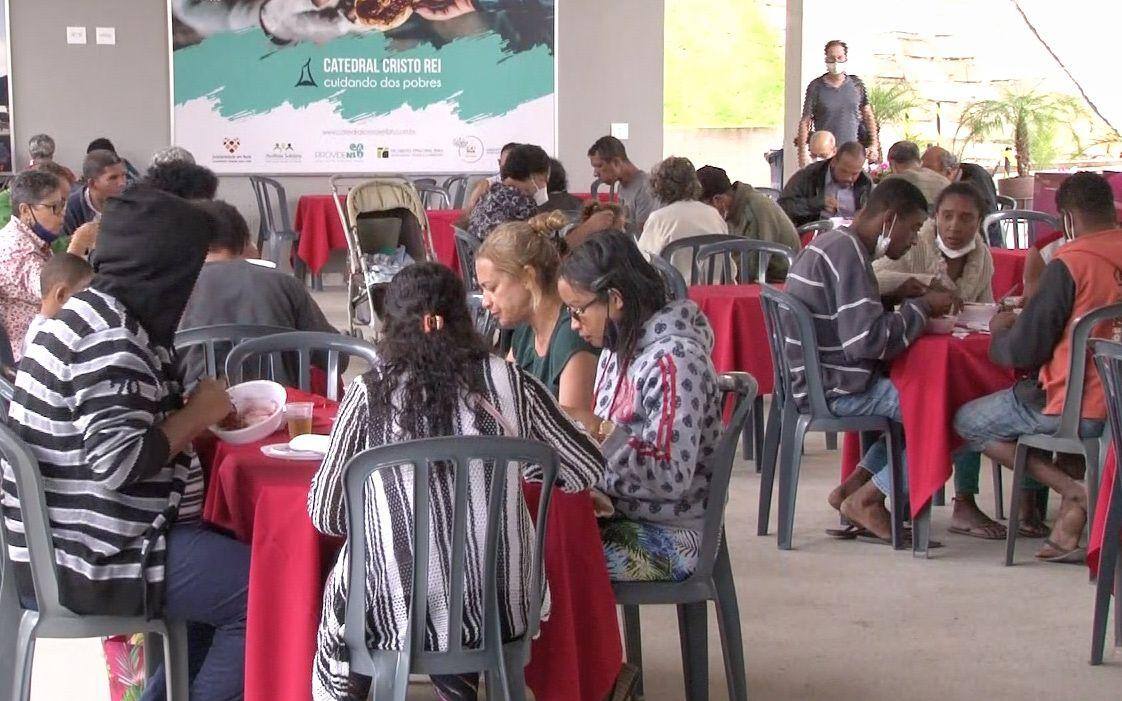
[609,70]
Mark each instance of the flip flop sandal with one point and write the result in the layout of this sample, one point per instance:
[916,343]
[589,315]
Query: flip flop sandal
[980,532]
[1032,530]
[850,532]
[1075,556]
[872,538]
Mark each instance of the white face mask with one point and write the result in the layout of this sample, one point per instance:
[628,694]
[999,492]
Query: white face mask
[1068,224]
[835,68]
[541,196]
[952,253]
[884,239]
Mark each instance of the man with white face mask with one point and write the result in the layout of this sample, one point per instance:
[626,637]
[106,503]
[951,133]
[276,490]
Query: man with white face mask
[833,277]
[523,188]
[838,103]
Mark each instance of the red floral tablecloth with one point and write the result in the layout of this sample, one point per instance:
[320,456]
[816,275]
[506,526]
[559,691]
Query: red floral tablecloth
[263,502]
[740,336]
[317,222]
[935,377]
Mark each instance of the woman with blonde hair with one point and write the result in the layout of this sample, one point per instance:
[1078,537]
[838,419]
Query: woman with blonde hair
[518,267]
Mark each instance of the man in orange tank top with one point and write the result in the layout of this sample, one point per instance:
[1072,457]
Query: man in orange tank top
[1085,274]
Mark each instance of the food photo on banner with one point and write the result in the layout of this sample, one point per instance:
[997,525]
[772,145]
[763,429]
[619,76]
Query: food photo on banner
[361,86]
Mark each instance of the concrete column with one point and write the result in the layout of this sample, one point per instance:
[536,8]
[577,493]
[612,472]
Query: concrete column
[792,85]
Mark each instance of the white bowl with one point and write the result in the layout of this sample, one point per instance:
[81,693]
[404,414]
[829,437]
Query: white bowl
[973,314]
[246,393]
[941,324]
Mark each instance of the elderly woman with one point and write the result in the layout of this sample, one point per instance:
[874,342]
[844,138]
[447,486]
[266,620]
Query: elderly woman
[524,187]
[38,202]
[101,374]
[674,182]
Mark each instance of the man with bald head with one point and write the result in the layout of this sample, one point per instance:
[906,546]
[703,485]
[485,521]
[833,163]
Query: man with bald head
[823,146]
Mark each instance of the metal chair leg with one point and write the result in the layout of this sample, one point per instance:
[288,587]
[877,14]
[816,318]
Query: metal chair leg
[728,622]
[694,640]
[1106,584]
[998,492]
[633,643]
[1018,491]
[176,665]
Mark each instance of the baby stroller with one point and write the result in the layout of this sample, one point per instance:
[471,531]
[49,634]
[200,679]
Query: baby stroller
[386,229]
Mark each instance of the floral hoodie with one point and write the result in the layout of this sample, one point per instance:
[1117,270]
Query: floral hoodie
[667,412]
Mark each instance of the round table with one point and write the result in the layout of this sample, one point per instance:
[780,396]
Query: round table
[317,222]
[936,376]
[739,336]
[263,501]
[1008,270]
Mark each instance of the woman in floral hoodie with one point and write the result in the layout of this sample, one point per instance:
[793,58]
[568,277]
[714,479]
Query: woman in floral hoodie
[656,391]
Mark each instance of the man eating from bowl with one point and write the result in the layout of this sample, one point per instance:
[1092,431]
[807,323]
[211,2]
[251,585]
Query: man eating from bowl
[100,405]
[833,277]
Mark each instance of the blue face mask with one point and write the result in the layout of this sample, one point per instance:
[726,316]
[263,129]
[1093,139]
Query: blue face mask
[41,231]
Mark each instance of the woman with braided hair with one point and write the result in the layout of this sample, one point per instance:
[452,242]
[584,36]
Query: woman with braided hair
[434,378]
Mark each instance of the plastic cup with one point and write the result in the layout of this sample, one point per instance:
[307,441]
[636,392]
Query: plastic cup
[299,417]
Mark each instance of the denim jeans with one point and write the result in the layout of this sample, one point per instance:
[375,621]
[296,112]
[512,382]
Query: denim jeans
[207,580]
[1003,418]
[880,398]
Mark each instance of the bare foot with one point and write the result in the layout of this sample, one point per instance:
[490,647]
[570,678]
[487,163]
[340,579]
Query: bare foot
[1068,527]
[850,486]
[968,519]
[865,507]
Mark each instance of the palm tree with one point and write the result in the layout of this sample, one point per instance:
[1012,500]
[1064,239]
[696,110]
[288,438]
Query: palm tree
[1025,111]
[891,103]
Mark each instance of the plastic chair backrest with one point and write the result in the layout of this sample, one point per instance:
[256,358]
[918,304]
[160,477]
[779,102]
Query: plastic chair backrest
[303,343]
[1019,218]
[1077,368]
[690,245]
[452,453]
[456,187]
[1005,203]
[467,244]
[739,255]
[426,182]
[432,195]
[816,227]
[672,280]
[783,315]
[272,204]
[220,335]
[36,526]
[744,387]
[770,192]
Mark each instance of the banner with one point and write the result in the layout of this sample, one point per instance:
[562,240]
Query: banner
[361,86]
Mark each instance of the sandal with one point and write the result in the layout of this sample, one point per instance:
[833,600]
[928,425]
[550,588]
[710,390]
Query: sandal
[850,532]
[1075,556]
[983,531]
[1032,529]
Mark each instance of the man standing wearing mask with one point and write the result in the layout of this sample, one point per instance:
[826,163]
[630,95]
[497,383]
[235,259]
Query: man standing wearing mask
[834,279]
[838,103]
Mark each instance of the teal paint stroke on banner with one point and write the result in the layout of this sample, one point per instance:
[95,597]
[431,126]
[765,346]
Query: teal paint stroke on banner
[245,74]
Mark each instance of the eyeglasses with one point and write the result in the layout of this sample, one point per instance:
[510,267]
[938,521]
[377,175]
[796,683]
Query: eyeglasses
[578,312]
[56,207]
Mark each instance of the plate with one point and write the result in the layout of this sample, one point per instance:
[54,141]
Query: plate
[310,443]
[281,451]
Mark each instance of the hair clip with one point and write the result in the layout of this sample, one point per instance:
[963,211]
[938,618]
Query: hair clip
[432,322]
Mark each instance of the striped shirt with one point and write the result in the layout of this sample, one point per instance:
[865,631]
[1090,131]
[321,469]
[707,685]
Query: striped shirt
[833,277]
[531,412]
[91,393]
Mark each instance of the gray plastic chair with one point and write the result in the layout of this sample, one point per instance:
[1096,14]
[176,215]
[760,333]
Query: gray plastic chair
[1108,358]
[303,343]
[433,197]
[502,661]
[456,187]
[711,581]
[274,225]
[217,340]
[818,227]
[672,280]
[743,261]
[1019,220]
[1005,204]
[786,317]
[22,627]
[1067,439]
[689,246]
[467,245]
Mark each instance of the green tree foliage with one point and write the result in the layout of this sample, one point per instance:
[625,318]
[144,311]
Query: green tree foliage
[1032,118]
[724,68]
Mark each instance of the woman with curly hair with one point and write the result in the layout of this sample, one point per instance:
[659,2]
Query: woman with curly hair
[435,378]
[517,267]
[656,392]
[674,181]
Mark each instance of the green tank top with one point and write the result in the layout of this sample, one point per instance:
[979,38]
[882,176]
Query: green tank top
[562,345]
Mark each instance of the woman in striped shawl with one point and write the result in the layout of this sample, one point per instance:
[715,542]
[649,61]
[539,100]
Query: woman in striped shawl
[435,378]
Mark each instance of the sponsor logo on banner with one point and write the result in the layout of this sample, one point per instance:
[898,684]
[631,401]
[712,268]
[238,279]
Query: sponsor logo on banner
[383,152]
[283,152]
[307,80]
[354,152]
[231,147]
[470,148]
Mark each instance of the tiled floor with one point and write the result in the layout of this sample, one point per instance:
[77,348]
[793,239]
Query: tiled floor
[838,620]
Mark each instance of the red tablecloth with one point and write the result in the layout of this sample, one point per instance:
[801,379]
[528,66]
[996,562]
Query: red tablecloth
[1008,270]
[935,377]
[1102,506]
[317,222]
[263,501]
[740,337]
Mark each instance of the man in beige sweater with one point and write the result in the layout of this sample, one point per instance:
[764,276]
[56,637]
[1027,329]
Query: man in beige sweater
[749,213]
[904,161]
